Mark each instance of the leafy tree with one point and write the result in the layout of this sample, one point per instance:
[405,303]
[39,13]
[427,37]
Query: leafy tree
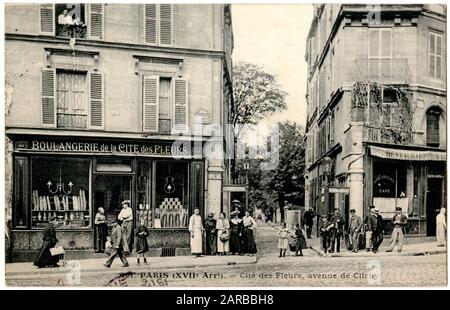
[256,94]
[286,181]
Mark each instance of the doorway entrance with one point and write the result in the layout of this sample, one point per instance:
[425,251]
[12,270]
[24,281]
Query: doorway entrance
[434,203]
[109,192]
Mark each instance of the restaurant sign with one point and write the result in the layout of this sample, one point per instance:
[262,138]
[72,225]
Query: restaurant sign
[177,148]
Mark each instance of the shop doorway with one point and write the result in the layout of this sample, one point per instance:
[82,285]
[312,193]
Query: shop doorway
[434,203]
[109,192]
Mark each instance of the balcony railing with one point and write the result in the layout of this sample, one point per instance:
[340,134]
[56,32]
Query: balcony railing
[380,70]
[389,135]
[74,121]
[71,31]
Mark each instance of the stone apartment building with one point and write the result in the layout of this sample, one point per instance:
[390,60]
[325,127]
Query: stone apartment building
[113,102]
[376,125]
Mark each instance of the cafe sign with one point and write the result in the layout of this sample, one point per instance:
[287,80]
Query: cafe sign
[178,149]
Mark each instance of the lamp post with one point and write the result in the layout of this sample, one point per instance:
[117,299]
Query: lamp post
[246,169]
[324,199]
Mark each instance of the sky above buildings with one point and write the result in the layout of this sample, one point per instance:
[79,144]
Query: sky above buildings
[274,37]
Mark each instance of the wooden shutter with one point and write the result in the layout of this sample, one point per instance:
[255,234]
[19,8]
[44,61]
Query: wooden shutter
[96,21]
[438,56]
[47,19]
[433,128]
[48,93]
[165,24]
[96,115]
[180,104]
[150,23]
[151,103]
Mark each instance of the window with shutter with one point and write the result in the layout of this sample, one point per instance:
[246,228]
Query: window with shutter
[150,23]
[96,100]
[180,105]
[96,20]
[165,24]
[70,20]
[46,16]
[380,53]
[435,55]
[433,117]
[48,77]
[150,103]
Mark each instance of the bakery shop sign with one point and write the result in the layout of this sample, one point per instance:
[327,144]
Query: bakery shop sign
[159,149]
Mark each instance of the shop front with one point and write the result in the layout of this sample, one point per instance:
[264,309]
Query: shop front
[413,180]
[71,179]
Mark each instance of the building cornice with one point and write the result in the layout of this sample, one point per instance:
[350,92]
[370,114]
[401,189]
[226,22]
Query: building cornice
[114,45]
[94,134]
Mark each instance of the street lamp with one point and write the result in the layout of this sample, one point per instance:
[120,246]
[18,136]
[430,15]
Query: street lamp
[326,164]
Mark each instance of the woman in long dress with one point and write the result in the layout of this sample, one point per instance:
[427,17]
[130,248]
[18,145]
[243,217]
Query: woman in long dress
[196,230]
[223,228]
[249,244]
[441,228]
[101,230]
[235,233]
[45,258]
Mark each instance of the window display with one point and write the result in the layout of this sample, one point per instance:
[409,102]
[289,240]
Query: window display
[60,188]
[170,207]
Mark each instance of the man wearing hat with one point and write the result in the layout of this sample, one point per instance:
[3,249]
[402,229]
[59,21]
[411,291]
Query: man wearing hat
[377,235]
[370,223]
[237,206]
[399,221]
[354,229]
[337,230]
[126,216]
[210,229]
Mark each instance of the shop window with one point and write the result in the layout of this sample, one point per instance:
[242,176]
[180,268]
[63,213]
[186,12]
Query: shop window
[433,118]
[171,195]
[143,187]
[72,99]
[389,187]
[60,187]
[70,20]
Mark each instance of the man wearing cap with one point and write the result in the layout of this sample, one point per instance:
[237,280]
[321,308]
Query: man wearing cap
[399,221]
[126,216]
[370,223]
[337,230]
[377,235]
[354,229]
[118,243]
[210,229]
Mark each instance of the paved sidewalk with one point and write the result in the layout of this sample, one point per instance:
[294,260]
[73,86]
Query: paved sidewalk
[428,248]
[158,263]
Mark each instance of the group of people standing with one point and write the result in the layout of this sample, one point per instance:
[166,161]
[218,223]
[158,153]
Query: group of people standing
[222,236]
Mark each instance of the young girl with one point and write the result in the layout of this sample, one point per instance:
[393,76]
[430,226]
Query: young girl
[141,242]
[283,241]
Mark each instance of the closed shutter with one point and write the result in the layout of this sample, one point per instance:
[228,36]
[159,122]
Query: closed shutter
[165,26]
[96,21]
[180,104]
[150,103]
[48,80]
[96,100]
[433,128]
[47,20]
[150,24]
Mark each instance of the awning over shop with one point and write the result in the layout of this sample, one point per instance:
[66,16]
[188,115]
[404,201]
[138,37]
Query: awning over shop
[411,155]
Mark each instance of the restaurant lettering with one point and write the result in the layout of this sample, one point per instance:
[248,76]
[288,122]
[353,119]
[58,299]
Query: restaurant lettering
[95,147]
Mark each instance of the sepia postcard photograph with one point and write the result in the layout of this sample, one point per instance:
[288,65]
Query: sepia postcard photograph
[224,145]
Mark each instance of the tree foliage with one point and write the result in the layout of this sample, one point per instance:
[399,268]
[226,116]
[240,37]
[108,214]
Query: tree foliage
[256,95]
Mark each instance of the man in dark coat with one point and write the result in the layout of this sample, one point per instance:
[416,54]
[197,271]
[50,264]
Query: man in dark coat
[370,223]
[118,242]
[399,222]
[324,228]
[45,258]
[337,230]
[378,232]
[308,221]
[211,235]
